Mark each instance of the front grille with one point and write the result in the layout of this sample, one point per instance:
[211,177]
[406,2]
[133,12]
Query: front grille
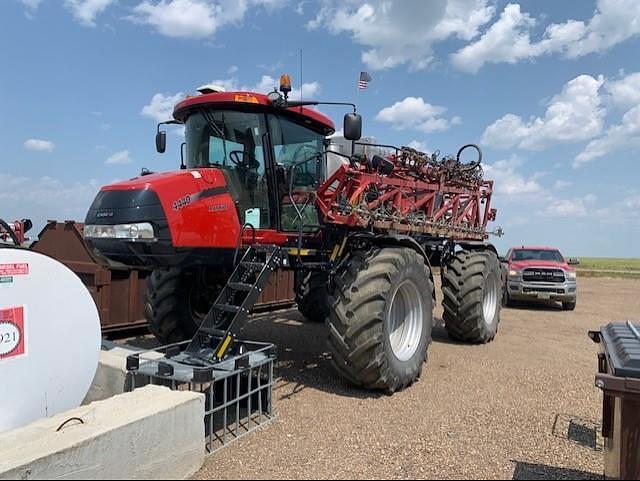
[543,275]
[552,290]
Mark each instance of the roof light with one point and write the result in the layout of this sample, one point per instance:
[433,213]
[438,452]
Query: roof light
[285,84]
[246,98]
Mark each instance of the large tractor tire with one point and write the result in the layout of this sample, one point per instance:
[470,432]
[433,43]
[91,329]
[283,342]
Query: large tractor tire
[312,295]
[381,318]
[471,284]
[176,303]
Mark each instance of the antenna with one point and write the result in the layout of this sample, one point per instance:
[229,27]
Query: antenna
[301,79]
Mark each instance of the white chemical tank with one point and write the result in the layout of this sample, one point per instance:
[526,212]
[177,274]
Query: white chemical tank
[339,144]
[49,338]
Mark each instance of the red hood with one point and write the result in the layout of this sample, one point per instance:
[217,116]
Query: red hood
[169,179]
[535,263]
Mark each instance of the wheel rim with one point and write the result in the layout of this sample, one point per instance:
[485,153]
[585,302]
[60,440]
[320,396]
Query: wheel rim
[201,296]
[405,320]
[490,299]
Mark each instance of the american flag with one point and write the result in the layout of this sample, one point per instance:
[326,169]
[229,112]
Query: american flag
[363,81]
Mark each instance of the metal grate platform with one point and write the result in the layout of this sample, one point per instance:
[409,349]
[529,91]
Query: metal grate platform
[238,391]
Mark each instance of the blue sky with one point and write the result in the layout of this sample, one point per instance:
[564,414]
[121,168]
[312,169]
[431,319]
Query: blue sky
[551,90]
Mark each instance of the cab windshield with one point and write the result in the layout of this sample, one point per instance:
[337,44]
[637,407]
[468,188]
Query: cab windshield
[223,138]
[537,255]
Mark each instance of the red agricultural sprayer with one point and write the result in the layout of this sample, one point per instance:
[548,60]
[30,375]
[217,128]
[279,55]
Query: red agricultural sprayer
[254,194]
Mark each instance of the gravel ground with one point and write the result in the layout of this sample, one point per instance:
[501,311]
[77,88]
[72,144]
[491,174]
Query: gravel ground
[477,412]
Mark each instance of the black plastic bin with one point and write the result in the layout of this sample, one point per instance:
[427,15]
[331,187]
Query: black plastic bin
[619,378]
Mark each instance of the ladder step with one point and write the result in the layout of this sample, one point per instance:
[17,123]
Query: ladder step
[240,286]
[212,332]
[254,266]
[263,248]
[227,308]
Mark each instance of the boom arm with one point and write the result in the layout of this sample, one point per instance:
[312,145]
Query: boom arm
[410,192]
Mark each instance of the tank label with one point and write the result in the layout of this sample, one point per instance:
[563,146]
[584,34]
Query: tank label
[12,333]
[14,270]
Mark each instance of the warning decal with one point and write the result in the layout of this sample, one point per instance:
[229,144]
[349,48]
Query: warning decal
[12,333]
[14,269]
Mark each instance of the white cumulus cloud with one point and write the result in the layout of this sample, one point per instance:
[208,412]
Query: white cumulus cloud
[119,158]
[86,11]
[624,135]
[625,92]
[161,106]
[413,113]
[576,114]
[509,39]
[576,207]
[39,145]
[397,32]
[195,19]
[508,180]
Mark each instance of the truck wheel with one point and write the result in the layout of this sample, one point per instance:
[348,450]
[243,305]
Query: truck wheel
[568,306]
[472,291]
[176,303]
[312,295]
[381,318]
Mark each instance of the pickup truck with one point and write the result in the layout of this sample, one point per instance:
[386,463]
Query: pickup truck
[539,273]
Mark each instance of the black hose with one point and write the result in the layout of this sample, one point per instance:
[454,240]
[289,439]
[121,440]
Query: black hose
[472,165]
[9,230]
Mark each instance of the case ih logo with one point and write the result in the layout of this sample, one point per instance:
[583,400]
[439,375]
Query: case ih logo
[14,270]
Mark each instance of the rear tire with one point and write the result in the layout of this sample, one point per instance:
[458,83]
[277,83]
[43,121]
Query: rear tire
[312,295]
[569,306]
[472,291]
[168,304]
[381,318]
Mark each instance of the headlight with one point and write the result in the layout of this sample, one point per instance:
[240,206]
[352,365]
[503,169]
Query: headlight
[132,232]
[513,273]
[572,275]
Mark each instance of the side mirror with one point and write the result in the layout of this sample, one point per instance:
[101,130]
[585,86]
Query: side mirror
[27,225]
[503,259]
[352,127]
[573,261]
[161,141]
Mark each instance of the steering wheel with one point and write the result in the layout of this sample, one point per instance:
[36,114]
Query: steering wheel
[233,156]
[471,165]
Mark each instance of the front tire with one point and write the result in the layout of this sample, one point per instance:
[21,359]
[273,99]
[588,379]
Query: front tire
[472,291]
[569,306]
[176,302]
[312,295]
[381,319]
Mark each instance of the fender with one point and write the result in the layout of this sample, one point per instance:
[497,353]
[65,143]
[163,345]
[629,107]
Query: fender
[399,240]
[477,246]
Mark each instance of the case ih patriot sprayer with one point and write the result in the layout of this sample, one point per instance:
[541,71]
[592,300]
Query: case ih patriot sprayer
[253,195]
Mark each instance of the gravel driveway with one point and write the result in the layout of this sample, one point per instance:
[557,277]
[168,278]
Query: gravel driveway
[497,411]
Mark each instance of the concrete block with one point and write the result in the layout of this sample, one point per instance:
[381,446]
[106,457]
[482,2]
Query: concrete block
[151,433]
[110,378]
[111,374]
